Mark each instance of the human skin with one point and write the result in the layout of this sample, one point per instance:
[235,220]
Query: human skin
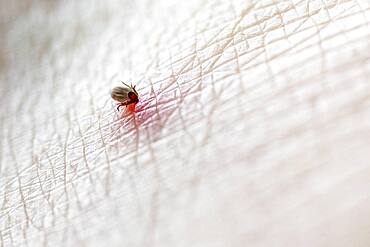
[252,129]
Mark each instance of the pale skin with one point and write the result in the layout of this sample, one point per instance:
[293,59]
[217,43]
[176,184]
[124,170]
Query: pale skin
[252,127]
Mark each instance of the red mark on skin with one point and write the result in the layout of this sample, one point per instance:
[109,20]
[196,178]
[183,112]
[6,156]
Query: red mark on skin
[127,109]
[151,113]
[138,109]
[131,107]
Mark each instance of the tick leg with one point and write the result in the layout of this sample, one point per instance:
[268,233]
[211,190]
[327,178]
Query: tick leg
[121,104]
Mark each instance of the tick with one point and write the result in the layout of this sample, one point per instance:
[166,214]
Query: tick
[125,95]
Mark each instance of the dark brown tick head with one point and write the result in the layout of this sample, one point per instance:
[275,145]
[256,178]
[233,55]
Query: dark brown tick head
[133,97]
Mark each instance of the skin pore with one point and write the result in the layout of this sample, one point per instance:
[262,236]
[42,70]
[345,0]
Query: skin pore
[252,126]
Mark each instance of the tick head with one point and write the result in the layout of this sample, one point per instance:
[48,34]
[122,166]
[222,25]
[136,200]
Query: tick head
[133,97]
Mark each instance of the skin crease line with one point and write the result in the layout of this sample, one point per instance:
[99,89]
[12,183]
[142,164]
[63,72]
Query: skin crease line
[251,127]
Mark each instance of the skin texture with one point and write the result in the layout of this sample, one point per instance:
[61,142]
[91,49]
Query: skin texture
[252,129]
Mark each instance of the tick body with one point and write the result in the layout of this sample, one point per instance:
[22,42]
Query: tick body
[125,95]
